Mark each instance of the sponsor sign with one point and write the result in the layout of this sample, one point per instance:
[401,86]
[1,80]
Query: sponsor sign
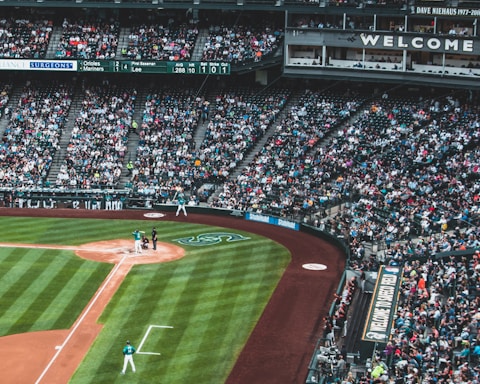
[272,220]
[383,306]
[38,65]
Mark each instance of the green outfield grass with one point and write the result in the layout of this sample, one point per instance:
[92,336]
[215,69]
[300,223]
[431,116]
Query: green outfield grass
[191,316]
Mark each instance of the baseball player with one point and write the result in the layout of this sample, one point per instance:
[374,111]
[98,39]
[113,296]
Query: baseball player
[181,204]
[128,352]
[137,235]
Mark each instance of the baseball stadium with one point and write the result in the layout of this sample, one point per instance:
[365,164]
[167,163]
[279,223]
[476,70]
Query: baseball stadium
[240,191]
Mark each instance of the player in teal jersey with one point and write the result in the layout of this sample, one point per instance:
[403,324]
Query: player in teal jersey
[128,352]
[137,235]
[181,204]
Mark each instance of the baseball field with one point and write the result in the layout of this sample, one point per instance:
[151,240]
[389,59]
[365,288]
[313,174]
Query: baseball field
[221,300]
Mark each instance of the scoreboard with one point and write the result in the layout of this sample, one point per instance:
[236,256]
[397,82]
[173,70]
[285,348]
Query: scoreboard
[155,67]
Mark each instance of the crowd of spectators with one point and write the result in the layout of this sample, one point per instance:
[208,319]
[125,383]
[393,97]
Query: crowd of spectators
[170,42]
[282,178]
[96,151]
[23,38]
[239,118]
[173,39]
[165,157]
[5,90]
[403,167]
[411,178]
[93,37]
[88,39]
[435,335]
[31,137]
[241,43]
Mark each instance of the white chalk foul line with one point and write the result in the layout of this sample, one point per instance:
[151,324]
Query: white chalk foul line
[145,338]
[80,320]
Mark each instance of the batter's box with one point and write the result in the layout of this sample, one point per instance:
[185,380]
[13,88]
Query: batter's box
[139,350]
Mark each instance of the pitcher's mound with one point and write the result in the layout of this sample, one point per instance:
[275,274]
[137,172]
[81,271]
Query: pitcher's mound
[112,251]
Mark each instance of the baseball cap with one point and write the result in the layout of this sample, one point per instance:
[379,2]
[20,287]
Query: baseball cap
[128,341]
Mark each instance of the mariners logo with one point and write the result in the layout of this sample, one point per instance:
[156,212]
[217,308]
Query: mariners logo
[205,239]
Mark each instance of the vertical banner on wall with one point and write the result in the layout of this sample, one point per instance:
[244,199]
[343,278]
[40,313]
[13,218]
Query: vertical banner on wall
[383,306]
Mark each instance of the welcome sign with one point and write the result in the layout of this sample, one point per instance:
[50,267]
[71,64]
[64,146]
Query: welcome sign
[417,42]
[383,305]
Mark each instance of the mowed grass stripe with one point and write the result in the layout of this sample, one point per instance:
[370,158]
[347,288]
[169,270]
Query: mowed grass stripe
[213,330]
[142,284]
[78,291]
[11,269]
[262,276]
[188,292]
[62,311]
[45,293]
[189,323]
[21,278]
[22,229]
[33,289]
[174,278]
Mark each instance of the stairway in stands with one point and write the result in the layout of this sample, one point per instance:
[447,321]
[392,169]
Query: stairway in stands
[14,97]
[55,37]
[202,37]
[59,157]
[122,41]
[133,138]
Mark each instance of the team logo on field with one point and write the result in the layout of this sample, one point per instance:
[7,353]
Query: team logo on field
[211,239]
[154,215]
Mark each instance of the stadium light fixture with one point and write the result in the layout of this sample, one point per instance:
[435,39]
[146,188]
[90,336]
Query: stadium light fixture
[196,2]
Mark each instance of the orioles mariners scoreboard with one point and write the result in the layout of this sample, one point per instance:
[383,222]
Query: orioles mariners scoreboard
[155,67]
[118,66]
